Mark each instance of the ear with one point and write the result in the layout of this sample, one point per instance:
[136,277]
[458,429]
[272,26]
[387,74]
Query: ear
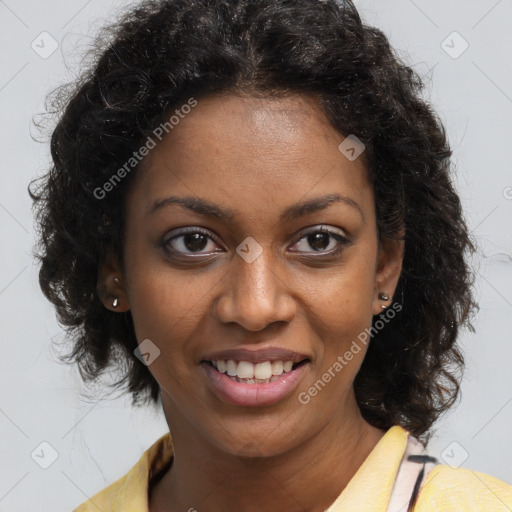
[389,267]
[110,285]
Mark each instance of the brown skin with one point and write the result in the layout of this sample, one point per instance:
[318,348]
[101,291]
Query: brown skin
[258,157]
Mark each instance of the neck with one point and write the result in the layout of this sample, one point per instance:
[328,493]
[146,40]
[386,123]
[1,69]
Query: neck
[308,477]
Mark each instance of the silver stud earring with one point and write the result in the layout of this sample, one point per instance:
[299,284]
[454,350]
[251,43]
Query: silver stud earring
[383,296]
[115,303]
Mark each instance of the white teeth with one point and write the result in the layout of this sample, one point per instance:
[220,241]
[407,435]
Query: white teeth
[259,372]
[277,367]
[245,370]
[231,368]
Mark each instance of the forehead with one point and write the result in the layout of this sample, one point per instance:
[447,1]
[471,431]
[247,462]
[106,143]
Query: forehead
[251,151]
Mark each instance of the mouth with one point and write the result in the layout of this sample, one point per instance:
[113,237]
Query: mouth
[245,383]
[247,372]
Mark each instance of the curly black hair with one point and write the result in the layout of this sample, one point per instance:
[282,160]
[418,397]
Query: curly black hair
[161,53]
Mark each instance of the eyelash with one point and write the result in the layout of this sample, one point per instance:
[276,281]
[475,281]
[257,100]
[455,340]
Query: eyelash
[343,242]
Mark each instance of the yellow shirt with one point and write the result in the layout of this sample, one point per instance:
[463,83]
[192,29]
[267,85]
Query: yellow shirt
[445,490]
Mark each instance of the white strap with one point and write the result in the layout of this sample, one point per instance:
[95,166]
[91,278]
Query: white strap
[407,475]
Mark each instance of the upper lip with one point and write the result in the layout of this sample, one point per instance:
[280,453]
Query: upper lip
[256,356]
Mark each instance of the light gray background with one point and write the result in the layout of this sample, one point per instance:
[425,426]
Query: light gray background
[99,441]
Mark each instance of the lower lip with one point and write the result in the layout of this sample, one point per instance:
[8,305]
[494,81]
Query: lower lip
[239,393]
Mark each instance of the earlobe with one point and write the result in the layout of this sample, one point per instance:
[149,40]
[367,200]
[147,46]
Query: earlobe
[389,267]
[110,287]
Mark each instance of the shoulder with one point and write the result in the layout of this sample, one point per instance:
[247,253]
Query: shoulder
[103,500]
[108,499]
[130,492]
[129,488]
[447,489]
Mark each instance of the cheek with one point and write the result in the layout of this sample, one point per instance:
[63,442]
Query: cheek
[155,295]
[167,305]
[342,305]
[166,309]
[164,306]
[350,288]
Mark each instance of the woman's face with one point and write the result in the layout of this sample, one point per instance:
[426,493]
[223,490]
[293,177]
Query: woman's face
[244,268]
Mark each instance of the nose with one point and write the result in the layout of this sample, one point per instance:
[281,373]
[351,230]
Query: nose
[255,294]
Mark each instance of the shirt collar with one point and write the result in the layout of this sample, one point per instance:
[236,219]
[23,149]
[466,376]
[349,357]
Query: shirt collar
[132,495]
[369,490]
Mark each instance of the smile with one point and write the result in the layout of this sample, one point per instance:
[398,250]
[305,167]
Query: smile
[251,373]
[248,384]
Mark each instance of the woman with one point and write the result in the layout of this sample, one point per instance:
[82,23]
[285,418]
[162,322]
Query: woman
[251,209]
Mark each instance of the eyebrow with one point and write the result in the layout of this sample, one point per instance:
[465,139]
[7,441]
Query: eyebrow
[209,209]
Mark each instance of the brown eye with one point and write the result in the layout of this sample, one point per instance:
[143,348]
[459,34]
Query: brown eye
[191,241]
[320,240]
